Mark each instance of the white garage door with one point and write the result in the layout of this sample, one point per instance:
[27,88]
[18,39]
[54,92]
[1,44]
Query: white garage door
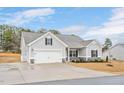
[47,56]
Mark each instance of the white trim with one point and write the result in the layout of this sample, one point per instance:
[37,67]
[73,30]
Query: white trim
[78,52]
[89,44]
[59,40]
[45,35]
[29,55]
[81,56]
[68,54]
[86,53]
[22,41]
[92,42]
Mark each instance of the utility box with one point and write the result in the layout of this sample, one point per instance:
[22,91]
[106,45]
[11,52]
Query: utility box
[32,61]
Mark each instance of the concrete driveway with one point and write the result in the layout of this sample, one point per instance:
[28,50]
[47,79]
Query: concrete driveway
[19,73]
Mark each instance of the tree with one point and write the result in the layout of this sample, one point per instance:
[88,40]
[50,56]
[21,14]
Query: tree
[42,30]
[107,44]
[8,45]
[54,31]
[11,37]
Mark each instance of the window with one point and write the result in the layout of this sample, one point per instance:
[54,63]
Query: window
[73,53]
[94,53]
[48,41]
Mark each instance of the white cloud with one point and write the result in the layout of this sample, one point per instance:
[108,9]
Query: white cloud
[118,13]
[38,12]
[21,17]
[112,28]
[74,29]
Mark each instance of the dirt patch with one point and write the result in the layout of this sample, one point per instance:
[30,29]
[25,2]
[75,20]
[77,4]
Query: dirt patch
[9,57]
[113,67]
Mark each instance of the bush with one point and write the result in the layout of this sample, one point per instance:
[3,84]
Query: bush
[76,61]
[95,60]
[73,61]
[82,59]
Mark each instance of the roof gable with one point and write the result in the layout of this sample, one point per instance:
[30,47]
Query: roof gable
[38,36]
[30,36]
[71,41]
[86,42]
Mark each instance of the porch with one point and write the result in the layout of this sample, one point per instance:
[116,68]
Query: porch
[80,54]
[73,54]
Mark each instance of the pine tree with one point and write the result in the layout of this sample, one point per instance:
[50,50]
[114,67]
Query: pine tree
[107,44]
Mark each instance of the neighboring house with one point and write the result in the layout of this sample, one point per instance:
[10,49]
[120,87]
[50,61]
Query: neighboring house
[116,52]
[49,48]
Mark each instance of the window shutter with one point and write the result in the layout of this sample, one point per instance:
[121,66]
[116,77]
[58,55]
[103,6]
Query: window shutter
[96,53]
[76,53]
[70,53]
[51,41]
[91,53]
[45,41]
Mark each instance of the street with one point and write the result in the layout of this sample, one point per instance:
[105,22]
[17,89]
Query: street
[107,80]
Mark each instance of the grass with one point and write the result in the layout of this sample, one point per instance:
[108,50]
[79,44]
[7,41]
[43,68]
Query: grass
[115,67]
[9,57]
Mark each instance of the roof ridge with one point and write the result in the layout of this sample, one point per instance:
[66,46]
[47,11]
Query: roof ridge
[30,32]
[90,40]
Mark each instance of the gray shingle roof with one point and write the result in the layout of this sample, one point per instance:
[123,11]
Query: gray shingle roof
[72,41]
[86,42]
[119,44]
[30,36]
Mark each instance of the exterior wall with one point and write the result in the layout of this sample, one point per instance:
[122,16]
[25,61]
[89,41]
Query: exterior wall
[24,50]
[105,54]
[93,46]
[117,52]
[114,53]
[40,45]
[82,52]
[85,52]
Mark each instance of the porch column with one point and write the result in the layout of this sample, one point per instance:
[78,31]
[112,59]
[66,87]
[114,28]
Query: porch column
[29,54]
[68,54]
[86,55]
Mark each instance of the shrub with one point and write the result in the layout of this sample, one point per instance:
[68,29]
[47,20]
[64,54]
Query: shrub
[73,61]
[79,60]
[95,60]
[82,59]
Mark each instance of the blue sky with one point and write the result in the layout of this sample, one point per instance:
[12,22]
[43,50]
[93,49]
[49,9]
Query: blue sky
[89,23]
[64,17]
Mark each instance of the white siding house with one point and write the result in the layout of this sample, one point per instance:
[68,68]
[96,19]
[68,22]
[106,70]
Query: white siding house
[51,48]
[94,46]
[47,53]
[116,52]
